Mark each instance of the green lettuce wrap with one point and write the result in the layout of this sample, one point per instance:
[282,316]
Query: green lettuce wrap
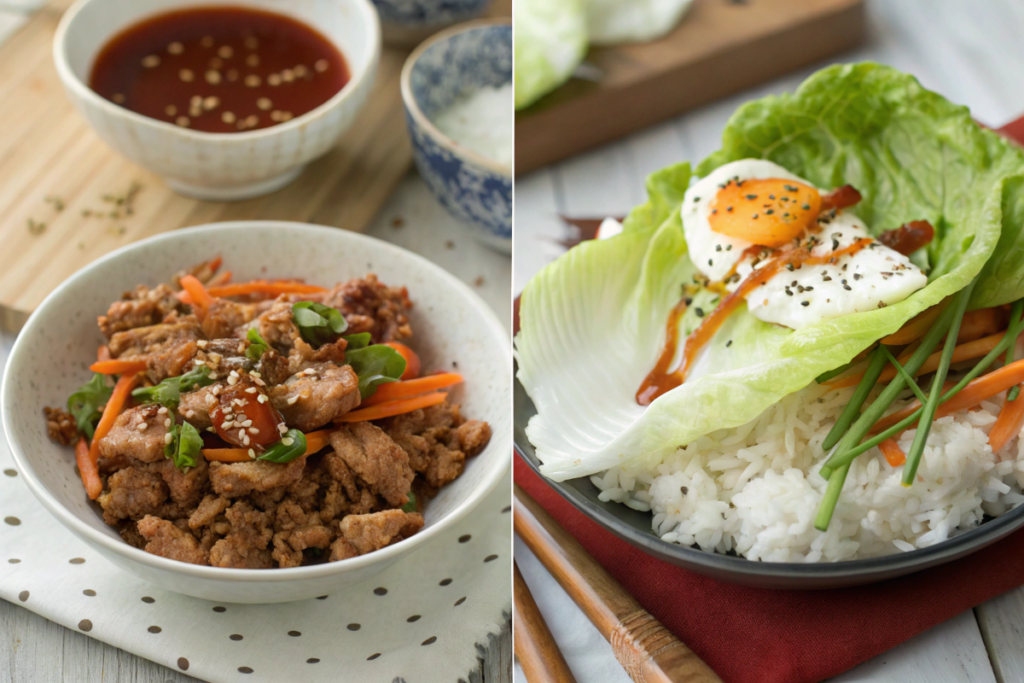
[593,322]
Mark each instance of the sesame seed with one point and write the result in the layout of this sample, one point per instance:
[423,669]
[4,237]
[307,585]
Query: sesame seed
[262,398]
[252,43]
[183,121]
[186,75]
[241,434]
[283,428]
[168,437]
[213,375]
[213,77]
[252,453]
[216,63]
[252,81]
[253,430]
[287,441]
[273,80]
[322,65]
[207,41]
[264,103]
[167,422]
[245,439]
[225,52]
[118,98]
[232,381]
[142,426]
[291,401]
[150,61]
[211,103]
[252,60]
[805,303]
[175,48]
[200,362]
[251,390]
[190,413]
[247,423]
[202,343]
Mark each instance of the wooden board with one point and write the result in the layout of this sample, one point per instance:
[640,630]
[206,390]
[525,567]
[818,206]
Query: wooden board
[721,47]
[47,151]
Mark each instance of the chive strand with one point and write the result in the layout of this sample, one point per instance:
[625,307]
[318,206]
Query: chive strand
[869,417]
[828,502]
[1011,351]
[829,374]
[908,421]
[874,370]
[911,382]
[932,404]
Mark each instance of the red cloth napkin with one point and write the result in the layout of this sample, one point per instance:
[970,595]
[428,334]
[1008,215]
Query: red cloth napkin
[753,635]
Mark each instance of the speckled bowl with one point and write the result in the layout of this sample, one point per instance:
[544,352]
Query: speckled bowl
[219,166]
[473,188]
[53,351]
[407,22]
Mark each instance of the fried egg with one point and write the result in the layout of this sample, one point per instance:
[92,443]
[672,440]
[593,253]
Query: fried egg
[749,207]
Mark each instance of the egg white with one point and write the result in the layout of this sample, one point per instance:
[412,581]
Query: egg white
[870,278]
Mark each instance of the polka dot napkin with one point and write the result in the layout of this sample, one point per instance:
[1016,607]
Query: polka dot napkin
[420,619]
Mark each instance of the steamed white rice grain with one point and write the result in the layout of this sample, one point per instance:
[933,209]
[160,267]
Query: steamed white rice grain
[756,490]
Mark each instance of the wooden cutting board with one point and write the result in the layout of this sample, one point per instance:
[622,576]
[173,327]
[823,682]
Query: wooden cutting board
[721,47]
[59,182]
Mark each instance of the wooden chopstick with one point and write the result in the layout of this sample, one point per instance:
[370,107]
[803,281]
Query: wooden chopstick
[535,647]
[646,649]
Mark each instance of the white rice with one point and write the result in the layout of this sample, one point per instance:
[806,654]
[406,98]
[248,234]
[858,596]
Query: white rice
[755,489]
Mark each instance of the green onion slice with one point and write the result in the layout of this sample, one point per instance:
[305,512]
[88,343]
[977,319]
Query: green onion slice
[292,445]
[86,404]
[169,391]
[318,324]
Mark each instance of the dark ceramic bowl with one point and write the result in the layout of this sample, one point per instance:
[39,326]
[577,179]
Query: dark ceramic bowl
[634,528]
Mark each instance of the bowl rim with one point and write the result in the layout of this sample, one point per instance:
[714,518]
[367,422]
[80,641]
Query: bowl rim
[93,536]
[82,90]
[734,568]
[422,120]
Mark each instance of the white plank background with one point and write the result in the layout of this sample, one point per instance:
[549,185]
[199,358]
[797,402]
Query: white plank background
[971,52]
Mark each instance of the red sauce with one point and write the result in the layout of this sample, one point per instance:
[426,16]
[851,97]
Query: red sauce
[840,198]
[909,237]
[219,69]
[660,380]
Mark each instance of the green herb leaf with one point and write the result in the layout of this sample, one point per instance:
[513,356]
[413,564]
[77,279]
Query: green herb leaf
[185,446]
[291,446]
[86,404]
[357,341]
[375,365]
[318,324]
[168,392]
[411,505]
[257,346]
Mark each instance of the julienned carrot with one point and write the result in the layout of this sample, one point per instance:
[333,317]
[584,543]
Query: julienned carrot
[201,298]
[103,353]
[411,387]
[392,408]
[216,263]
[128,366]
[220,279]
[118,399]
[88,469]
[318,440]
[914,328]
[226,454]
[265,287]
[1008,424]
[966,351]
[894,455]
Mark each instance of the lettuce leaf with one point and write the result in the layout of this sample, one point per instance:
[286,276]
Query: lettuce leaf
[550,42]
[593,322]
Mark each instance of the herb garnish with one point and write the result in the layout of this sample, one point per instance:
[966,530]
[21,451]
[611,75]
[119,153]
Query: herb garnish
[291,446]
[185,445]
[257,346]
[375,365]
[411,505]
[318,324]
[86,404]
[168,392]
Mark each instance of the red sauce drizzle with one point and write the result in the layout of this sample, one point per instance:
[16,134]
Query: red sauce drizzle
[660,380]
[840,198]
[909,237]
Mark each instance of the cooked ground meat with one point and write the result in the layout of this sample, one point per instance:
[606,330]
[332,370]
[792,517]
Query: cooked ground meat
[61,426]
[137,433]
[334,504]
[317,395]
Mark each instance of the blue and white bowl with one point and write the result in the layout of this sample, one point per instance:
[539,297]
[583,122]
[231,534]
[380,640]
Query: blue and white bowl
[474,188]
[407,22]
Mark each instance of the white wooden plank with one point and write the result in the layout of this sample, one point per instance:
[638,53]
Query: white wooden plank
[952,652]
[538,229]
[598,183]
[1002,626]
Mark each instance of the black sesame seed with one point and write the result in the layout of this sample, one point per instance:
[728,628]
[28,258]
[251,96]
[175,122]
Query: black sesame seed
[805,303]
[728,208]
[806,207]
[769,212]
[751,196]
[790,267]
[789,188]
[728,343]
[856,276]
[710,262]
[699,311]
[835,244]
[771,196]
[728,247]
[754,216]
[789,291]
[718,247]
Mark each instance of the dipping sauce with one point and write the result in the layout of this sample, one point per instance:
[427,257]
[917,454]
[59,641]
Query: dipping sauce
[219,69]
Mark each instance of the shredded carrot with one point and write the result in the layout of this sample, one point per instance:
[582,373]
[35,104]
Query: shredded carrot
[894,455]
[201,298]
[1008,424]
[220,280]
[184,297]
[318,440]
[216,263]
[914,328]
[226,454]
[392,408]
[128,366]
[983,388]
[982,322]
[103,353]
[88,469]
[965,351]
[265,287]
[122,392]
[411,387]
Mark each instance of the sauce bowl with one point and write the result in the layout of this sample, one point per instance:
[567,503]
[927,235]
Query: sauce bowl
[219,166]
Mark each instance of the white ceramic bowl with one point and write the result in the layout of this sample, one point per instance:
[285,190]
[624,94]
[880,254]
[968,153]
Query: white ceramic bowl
[52,353]
[219,166]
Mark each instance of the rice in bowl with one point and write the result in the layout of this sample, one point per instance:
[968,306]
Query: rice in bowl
[755,490]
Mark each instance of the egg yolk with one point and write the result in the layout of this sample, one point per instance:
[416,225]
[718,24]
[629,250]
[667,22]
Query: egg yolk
[768,212]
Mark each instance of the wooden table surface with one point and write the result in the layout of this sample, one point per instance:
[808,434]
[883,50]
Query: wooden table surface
[970,52]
